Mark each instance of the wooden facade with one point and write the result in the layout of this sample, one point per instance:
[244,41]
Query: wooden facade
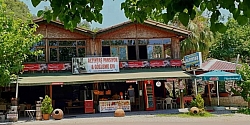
[60,45]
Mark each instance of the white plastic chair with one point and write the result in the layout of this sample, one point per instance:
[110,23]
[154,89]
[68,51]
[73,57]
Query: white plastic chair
[168,102]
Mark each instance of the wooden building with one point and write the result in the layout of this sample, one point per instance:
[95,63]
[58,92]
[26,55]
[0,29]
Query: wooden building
[147,51]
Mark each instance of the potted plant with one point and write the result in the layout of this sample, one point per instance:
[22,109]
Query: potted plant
[46,107]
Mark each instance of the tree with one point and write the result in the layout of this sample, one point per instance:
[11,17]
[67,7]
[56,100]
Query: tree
[236,40]
[71,12]
[16,39]
[84,24]
[20,9]
[200,38]
[244,86]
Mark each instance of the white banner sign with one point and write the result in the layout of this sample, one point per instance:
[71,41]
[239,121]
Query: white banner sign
[95,65]
[112,105]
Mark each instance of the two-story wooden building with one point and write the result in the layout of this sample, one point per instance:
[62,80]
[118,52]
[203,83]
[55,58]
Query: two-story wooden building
[147,53]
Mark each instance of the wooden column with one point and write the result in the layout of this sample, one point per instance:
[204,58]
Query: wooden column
[50,91]
[175,47]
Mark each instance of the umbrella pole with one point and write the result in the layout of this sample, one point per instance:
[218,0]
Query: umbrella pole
[218,96]
[195,84]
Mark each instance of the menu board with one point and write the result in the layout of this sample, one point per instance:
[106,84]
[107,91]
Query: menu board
[112,105]
[150,98]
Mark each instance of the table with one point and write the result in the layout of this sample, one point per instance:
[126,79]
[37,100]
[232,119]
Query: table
[31,113]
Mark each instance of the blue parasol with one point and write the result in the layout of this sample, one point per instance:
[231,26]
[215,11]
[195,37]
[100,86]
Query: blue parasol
[218,75]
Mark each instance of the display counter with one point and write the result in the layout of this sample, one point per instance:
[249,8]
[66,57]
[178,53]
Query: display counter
[112,105]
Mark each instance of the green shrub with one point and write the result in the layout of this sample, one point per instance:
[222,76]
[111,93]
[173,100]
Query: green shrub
[244,111]
[198,102]
[46,107]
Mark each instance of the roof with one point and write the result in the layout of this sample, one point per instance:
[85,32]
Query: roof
[68,78]
[38,20]
[174,29]
[216,64]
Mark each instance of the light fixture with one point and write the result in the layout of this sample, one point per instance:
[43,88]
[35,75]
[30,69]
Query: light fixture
[158,84]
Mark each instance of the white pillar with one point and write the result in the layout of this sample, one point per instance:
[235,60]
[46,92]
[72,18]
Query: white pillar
[195,84]
[218,95]
[17,87]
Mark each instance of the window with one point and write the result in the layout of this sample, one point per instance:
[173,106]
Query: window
[137,49]
[41,57]
[65,50]
[115,48]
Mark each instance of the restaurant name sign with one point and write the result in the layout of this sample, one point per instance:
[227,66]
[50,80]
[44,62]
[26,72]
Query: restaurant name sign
[193,61]
[82,65]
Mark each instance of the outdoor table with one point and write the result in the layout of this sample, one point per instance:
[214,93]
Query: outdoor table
[31,113]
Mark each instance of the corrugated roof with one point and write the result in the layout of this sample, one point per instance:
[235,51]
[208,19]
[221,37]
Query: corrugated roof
[216,64]
[60,23]
[174,29]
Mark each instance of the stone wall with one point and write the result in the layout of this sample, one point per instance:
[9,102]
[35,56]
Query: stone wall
[225,101]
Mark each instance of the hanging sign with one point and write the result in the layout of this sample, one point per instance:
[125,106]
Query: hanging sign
[95,65]
[193,61]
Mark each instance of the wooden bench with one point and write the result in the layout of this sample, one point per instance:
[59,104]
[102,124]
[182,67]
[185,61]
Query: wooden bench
[72,107]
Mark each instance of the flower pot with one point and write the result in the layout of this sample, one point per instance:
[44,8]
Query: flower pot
[46,116]
[57,114]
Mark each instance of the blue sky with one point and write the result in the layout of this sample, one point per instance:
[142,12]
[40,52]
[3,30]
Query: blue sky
[112,13]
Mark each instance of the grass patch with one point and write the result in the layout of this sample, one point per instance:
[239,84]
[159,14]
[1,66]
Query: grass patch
[244,111]
[184,115]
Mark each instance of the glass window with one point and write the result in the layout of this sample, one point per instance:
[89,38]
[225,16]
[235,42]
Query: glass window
[67,43]
[123,53]
[41,56]
[167,50]
[114,52]
[106,42]
[53,54]
[131,42]
[167,41]
[154,51]
[81,43]
[118,42]
[30,58]
[53,43]
[142,42]
[66,53]
[81,52]
[155,41]
[41,43]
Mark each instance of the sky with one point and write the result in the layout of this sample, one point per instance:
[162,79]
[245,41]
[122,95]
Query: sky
[112,13]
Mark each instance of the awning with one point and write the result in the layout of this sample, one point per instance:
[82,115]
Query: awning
[68,79]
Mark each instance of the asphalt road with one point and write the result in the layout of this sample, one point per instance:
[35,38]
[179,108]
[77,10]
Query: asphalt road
[147,120]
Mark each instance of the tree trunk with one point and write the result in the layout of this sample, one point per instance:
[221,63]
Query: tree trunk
[248,105]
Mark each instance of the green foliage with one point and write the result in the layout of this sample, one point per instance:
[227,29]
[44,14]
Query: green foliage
[16,38]
[198,102]
[244,111]
[236,40]
[20,9]
[70,12]
[244,85]
[46,107]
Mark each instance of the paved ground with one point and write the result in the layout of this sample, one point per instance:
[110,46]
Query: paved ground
[223,119]
[143,117]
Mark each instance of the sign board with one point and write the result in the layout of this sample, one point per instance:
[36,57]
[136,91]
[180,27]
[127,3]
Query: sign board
[82,65]
[112,105]
[193,61]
